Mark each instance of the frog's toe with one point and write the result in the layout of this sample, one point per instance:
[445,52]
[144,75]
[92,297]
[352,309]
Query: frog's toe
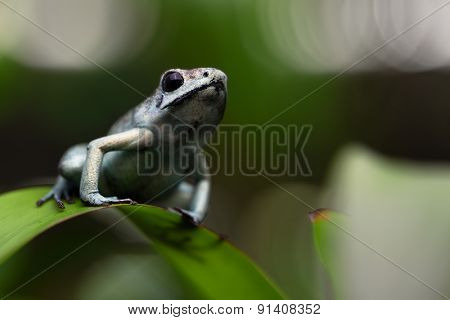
[44,199]
[187,216]
[96,199]
[115,200]
[57,198]
[52,194]
[60,204]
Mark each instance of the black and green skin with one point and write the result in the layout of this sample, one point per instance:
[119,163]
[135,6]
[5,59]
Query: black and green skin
[109,169]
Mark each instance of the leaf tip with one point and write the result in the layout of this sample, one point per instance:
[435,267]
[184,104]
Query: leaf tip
[318,214]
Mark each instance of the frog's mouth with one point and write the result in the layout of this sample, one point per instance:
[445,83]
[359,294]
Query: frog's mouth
[218,85]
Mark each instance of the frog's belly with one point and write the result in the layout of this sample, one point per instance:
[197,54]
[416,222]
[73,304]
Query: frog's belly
[141,176]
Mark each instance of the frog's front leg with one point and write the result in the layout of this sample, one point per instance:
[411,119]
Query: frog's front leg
[128,140]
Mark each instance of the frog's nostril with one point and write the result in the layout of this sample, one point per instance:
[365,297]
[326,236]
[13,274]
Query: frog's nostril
[205,74]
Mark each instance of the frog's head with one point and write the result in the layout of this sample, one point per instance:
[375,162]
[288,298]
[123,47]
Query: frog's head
[195,97]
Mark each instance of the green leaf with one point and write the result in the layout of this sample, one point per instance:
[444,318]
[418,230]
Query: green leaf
[132,274]
[213,267]
[21,220]
[209,265]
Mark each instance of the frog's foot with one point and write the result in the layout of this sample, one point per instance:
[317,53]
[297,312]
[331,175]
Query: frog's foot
[188,217]
[96,199]
[61,189]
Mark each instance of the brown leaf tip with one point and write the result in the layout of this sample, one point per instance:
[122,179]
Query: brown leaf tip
[318,214]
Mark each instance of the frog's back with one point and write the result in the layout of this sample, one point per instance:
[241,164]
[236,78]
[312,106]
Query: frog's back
[143,115]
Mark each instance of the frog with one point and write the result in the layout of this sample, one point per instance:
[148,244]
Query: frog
[121,167]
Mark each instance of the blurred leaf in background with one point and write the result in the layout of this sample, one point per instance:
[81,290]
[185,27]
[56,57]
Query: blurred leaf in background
[397,223]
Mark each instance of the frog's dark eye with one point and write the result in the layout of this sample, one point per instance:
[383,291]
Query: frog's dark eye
[172,81]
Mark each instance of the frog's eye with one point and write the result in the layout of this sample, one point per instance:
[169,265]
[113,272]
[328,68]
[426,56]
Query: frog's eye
[172,81]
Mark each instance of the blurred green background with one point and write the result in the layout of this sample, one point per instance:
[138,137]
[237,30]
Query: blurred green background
[395,102]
